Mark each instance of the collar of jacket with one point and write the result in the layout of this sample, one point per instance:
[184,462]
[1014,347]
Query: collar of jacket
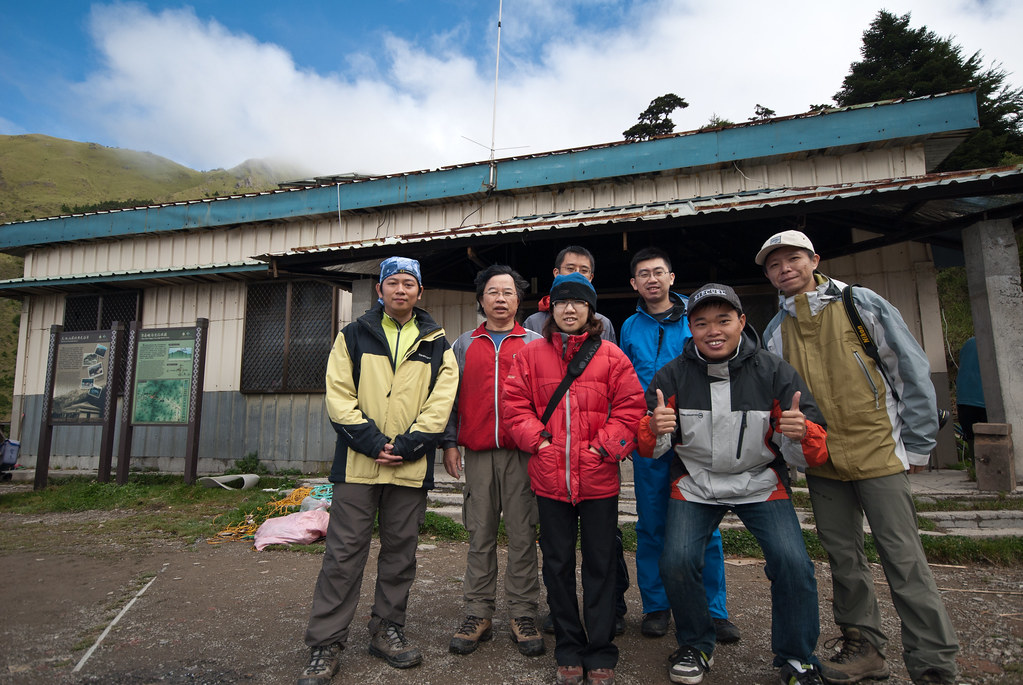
[516,330]
[374,319]
[678,308]
[748,345]
[544,305]
[567,345]
[827,291]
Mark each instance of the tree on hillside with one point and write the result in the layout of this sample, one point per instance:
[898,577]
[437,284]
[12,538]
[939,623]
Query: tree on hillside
[761,113]
[901,61]
[654,120]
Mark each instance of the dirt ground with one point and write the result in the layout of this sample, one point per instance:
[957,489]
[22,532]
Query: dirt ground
[228,614]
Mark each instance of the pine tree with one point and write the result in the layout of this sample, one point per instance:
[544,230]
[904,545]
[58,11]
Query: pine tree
[901,61]
[654,120]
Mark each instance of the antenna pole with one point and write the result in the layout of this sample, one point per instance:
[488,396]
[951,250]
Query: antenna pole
[493,123]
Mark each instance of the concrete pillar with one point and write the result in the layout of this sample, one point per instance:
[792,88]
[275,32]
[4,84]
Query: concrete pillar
[994,458]
[364,296]
[996,300]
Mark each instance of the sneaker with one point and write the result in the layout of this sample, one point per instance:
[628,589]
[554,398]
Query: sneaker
[856,661]
[389,643]
[323,664]
[548,624]
[726,631]
[526,636]
[470,634]
[655,624]
[569,675]
[600,676]
[933,676]
[688,664]
[619,625]
[791,676]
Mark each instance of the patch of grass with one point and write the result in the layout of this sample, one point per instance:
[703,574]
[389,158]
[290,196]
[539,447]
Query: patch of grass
[1001,502]
[437,527]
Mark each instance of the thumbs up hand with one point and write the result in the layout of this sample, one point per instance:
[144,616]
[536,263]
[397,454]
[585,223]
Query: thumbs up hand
[792,423]
[662,419]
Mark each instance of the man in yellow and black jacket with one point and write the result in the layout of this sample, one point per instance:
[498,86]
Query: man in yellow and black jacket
[391,381]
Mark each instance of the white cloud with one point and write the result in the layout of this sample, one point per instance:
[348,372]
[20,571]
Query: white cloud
[209,97]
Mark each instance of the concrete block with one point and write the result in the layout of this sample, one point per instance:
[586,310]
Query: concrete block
[993,449]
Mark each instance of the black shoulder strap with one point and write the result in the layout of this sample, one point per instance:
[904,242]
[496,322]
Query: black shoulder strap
[861,332]
[575,367]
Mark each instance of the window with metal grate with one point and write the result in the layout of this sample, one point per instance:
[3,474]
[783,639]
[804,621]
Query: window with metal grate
[289,330]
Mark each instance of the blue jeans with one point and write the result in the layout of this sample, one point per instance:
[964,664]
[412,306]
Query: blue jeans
[795,624]
[652,481]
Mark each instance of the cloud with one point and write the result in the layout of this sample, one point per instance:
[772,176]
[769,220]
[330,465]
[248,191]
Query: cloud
[575,74]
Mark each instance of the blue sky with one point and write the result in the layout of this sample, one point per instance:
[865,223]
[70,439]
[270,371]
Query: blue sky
[402,85]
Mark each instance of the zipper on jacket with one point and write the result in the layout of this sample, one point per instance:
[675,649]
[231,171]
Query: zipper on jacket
[873,385]
[742,432]
[568,450]
[497,395]
[660,339]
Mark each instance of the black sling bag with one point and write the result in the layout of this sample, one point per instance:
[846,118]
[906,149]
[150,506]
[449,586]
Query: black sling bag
[575,367]
[868,343]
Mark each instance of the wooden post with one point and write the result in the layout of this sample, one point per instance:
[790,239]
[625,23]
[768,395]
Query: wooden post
[45,427]
[195,401]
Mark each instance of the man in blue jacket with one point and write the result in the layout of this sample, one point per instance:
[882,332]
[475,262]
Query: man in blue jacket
[652,337]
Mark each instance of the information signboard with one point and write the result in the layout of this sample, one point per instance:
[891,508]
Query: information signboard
[81,377]
[163,376]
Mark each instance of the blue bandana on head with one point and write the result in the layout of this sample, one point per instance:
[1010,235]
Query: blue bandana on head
[400,265]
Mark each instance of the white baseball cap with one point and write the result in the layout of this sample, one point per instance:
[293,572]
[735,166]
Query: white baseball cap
[784,239]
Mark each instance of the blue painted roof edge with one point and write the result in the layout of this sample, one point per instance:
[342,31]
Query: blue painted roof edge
[108,277]
[852,126]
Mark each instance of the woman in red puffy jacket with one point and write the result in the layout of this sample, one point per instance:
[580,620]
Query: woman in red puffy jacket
[573,470]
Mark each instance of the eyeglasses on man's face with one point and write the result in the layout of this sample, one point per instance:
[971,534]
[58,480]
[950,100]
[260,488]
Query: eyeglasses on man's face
[647,273]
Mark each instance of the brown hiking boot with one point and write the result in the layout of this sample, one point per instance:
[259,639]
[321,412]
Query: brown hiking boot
[527,637]
[470,634]
[323,664]
[389,643]
[569,675]
[600,676]
[856,661]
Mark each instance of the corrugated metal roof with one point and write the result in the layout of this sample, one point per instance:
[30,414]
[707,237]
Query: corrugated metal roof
[941,209]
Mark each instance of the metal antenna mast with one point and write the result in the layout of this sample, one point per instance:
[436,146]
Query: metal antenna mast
[493,124]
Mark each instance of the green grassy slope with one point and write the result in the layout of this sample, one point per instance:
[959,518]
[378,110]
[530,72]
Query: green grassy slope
[42,176]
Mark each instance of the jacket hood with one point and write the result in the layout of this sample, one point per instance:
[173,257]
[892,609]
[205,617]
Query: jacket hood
[678,307]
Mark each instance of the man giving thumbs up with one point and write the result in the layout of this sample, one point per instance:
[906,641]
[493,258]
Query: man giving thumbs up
[734,414]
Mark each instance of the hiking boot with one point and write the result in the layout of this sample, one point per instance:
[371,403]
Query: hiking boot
[856,661]
[547,625]
[470,634]
[526,636]
[655,624]
[323,664]
[688,664]
[600,676]
[619,624]
[726,631]
[790,675]
[389,643]
[933,676]
[569,675]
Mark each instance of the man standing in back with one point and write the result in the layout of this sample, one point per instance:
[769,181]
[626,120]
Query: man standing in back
[882,421]
[652,337]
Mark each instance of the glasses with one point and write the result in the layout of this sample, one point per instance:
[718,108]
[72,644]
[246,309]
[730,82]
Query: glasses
[647,273]
[506,294]
[560,305]
[572,268]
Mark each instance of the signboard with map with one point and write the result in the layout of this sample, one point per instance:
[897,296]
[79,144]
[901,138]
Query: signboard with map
[80,377]
[163,376]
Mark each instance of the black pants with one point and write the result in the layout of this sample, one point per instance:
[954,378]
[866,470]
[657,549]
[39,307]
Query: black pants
[590,641]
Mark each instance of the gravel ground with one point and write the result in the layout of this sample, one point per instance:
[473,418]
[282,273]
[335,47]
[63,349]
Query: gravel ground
[228,614]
